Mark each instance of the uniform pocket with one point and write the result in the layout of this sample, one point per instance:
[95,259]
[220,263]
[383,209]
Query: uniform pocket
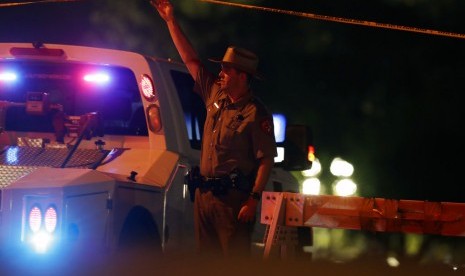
[233,134]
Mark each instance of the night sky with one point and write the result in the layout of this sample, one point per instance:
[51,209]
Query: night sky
[388,101]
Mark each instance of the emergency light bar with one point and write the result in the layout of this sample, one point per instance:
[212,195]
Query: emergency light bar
[98,78]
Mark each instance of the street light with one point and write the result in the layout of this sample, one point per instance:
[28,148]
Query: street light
[311,186]
[344,187]
[341,168]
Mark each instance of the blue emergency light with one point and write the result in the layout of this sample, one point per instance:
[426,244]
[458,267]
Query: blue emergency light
[8,76]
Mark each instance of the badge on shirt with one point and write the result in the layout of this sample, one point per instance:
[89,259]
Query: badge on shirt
[236,122]
[266,125]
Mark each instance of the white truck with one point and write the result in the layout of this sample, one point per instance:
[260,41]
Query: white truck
[94,148]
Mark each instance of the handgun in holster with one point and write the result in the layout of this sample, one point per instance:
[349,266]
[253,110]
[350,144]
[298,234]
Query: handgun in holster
[240,181]
[193,180]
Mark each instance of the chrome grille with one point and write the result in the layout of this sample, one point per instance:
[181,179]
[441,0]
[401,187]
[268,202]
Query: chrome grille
[8,174]
[16,162]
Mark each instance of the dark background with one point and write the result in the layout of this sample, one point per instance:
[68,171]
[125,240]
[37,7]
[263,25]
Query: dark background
[387,101]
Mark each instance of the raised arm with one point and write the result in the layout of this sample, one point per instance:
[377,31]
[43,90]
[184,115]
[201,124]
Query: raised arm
[186,51]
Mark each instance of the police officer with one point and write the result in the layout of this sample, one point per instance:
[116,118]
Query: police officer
[238,137]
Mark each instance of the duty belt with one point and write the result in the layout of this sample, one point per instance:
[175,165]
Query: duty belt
[221,185]
[217,182]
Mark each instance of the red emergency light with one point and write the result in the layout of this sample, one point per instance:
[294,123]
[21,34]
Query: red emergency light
[148,89]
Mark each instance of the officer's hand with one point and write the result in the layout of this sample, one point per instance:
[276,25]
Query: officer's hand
[164,8]
[247,212]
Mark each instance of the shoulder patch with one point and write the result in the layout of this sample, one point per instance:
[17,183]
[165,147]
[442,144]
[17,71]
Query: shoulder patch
[266,125]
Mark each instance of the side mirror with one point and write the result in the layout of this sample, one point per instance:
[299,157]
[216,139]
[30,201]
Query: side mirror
[298,147]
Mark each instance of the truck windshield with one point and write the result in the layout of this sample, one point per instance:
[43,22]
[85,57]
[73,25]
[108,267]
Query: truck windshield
[34,95]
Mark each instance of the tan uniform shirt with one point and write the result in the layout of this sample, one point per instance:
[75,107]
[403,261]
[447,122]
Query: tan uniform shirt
[236,135]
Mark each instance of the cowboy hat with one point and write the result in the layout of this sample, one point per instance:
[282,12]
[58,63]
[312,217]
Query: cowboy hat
[241,59]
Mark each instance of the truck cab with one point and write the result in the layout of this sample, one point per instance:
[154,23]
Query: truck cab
[95,145]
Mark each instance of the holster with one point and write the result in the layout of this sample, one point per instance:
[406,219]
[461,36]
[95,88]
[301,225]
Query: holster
[193,180]
[240,181]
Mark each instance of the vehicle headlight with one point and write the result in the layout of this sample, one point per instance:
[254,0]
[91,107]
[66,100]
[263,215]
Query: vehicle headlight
[42,226]
[35,219]
[50,219]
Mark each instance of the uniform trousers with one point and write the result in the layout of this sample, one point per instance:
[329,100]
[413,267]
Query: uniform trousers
[218,232]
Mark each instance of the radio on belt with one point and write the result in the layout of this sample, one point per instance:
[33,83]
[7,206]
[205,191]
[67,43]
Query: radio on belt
[37,103]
